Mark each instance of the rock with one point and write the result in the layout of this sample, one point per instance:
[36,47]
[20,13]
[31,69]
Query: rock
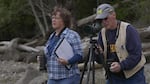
[10,54]
[147,73]
[99,77]
[31,58]
[22,73]
[40,79]
[30,74]
[41,48]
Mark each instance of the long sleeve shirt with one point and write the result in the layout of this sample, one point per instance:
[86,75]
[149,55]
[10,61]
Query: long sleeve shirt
[133,46]
[54,68]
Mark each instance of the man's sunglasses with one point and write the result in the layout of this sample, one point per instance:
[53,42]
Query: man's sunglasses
[100,20]
[105,18]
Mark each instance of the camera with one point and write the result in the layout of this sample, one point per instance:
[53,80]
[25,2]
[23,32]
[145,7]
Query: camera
[42,63]
[109,62]
[92,28]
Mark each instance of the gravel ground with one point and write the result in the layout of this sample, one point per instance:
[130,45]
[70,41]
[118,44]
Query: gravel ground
[11,71]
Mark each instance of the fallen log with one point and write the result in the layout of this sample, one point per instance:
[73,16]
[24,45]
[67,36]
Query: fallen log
[145,45]
[27,48]
[146,54]
[4,43]
[86,20]
[20,47]
[13,44]
[2,49]
[31,43]
[3,46]
[144,34]
[9,50]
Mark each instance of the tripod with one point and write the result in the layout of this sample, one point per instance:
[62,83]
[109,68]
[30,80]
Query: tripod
[89,62]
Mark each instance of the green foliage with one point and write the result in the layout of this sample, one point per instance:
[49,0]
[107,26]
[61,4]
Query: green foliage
[18,21]
[88,7]
[135,11]
[144,13]
[22,26]
[85,8]
[15,21]
[127,11]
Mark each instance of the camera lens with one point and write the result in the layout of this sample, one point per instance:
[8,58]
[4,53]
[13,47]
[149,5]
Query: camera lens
[92,28]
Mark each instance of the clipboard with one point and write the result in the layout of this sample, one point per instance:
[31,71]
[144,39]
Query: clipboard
[64,50]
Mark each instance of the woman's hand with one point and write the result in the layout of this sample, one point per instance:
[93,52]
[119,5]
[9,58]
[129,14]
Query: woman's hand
[63,61]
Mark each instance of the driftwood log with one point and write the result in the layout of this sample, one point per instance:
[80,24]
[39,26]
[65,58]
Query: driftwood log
[13,44]
[10,49]
[13,50]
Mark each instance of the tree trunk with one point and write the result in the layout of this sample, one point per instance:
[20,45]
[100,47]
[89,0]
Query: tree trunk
[37,19]
[43,15]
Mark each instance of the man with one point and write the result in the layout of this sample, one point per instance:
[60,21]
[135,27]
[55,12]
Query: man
[56,67]
[121,45]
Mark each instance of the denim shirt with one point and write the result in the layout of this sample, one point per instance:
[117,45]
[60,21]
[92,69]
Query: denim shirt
[54,68]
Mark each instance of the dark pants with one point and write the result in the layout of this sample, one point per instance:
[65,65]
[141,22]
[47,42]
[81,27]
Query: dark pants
[138,78]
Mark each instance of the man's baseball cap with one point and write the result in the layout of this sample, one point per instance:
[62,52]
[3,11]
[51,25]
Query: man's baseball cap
[103,11]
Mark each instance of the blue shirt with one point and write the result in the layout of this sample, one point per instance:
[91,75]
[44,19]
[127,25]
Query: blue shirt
[54,68]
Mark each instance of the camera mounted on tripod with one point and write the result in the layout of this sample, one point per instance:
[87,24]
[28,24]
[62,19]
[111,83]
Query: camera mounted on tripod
[93,28]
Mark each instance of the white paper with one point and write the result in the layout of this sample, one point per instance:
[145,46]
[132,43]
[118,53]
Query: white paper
[64,50]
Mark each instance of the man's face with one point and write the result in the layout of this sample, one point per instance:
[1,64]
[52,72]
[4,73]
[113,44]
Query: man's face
[57,21]
[109,21]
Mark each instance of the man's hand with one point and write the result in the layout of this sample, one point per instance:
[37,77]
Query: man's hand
[63,61]
[115,67]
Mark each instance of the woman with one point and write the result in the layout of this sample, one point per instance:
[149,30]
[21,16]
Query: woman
[57,71]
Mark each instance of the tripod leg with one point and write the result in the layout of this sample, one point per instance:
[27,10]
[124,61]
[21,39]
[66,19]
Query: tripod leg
[93,70]
[84,68]
[93,64]
[88,72]
[89,61]
[89,65]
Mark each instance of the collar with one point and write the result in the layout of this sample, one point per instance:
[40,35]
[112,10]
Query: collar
[64,32]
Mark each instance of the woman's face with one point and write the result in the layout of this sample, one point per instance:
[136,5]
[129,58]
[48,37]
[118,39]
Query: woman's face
[57,21]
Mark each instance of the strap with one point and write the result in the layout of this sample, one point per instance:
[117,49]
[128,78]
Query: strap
[117,34]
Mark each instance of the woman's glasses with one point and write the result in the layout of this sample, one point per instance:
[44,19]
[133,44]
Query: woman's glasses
[55,17]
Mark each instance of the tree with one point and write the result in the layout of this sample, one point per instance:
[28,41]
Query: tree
[16,19]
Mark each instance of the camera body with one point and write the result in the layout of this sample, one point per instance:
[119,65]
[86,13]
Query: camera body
[42,63]
[109,62]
